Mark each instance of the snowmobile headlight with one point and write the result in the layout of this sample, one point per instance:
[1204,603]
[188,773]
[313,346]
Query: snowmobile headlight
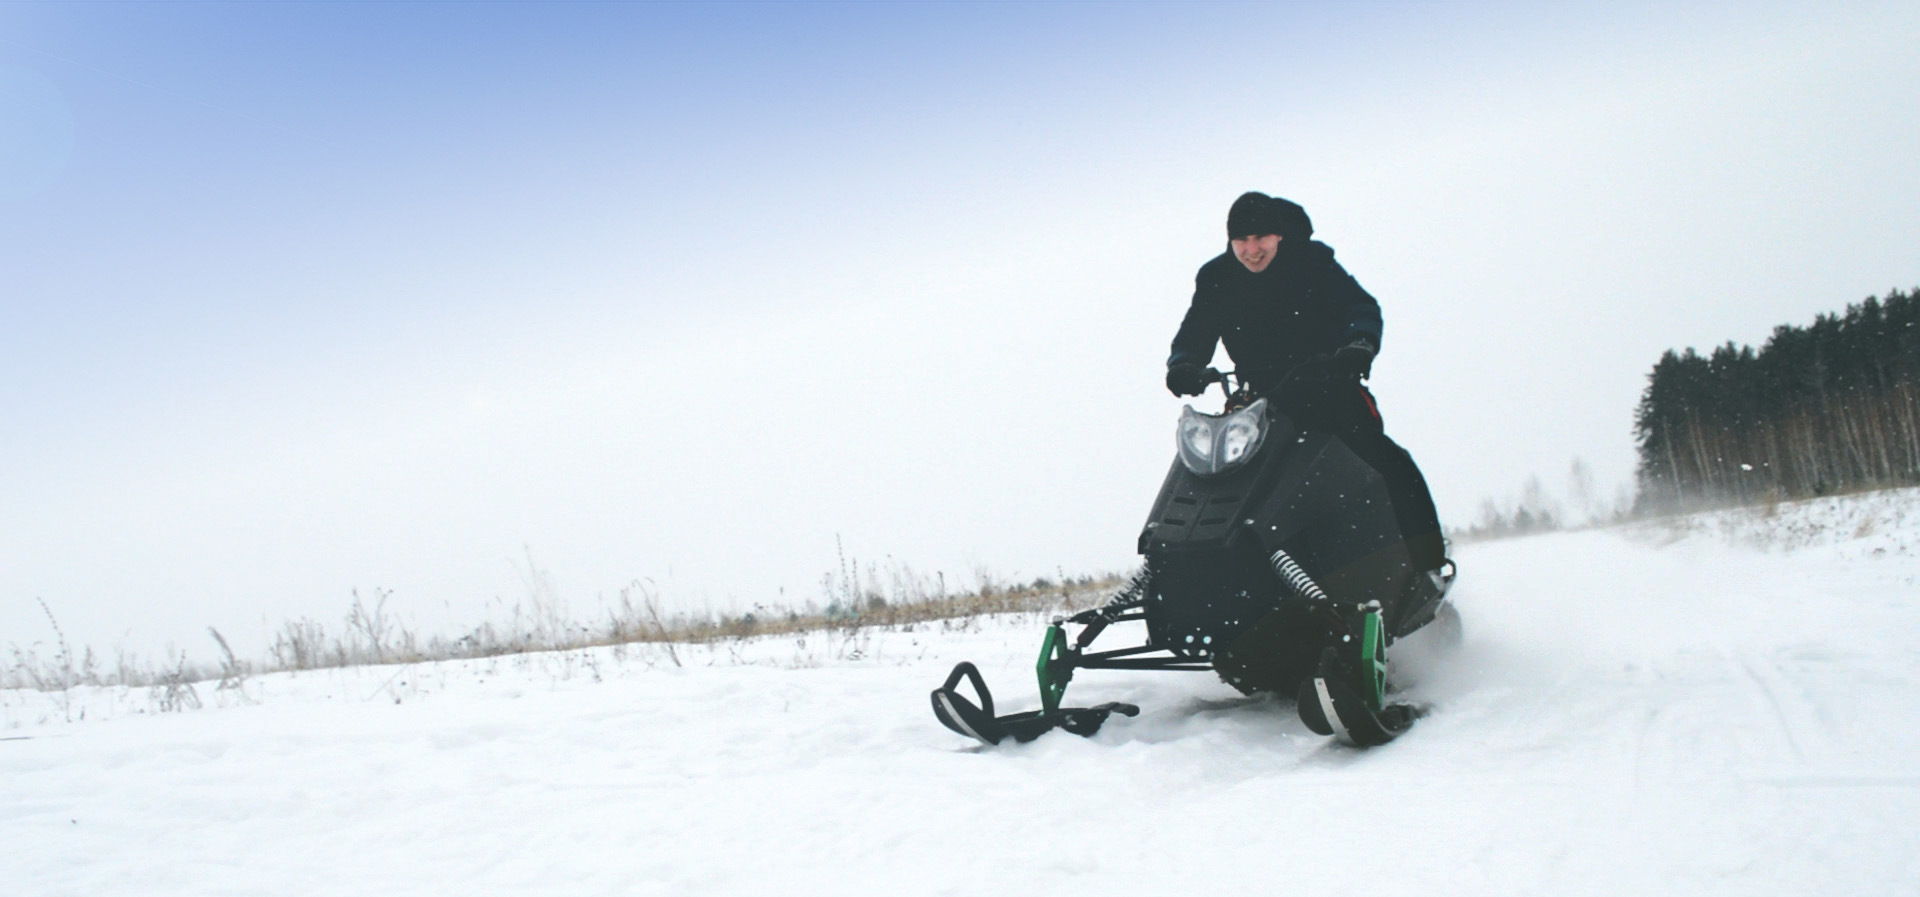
[1212,444]
[1235,438]
[1196,439]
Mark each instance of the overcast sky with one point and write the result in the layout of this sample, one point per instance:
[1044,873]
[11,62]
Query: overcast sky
[303,298]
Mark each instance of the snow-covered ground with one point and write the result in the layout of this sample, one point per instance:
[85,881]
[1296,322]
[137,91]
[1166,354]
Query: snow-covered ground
[1723,705]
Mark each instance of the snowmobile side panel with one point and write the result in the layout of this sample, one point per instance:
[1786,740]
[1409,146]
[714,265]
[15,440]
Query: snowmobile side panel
[1333,515]
[1331,495]
[1274,654]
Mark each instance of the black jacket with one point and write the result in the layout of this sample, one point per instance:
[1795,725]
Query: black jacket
[1304,304]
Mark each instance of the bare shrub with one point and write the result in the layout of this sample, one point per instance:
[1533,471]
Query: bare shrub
[657,629]
[173,691]
[233,671]
[56,675]
[368,628]
[300,645]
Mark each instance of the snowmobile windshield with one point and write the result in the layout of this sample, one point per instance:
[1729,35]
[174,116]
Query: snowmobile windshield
[1213,444]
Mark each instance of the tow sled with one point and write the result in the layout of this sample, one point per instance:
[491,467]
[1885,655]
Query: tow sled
[1272,559]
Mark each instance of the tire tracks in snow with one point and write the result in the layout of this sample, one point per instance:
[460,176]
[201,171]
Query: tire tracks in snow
[1770,696]
[1763,682]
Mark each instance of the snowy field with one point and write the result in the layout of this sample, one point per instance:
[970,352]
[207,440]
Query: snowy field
[1721,705]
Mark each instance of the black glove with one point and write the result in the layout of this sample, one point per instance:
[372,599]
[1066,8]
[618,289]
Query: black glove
[1186,379]
[1355,358]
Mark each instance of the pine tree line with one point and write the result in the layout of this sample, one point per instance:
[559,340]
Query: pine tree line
[1833,407]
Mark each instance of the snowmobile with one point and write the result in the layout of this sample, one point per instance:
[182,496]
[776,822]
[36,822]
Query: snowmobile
[1272,558]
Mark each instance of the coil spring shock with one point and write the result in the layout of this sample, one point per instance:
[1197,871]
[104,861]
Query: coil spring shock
[1297,579]
[1131,596]
[1304,586]
[1098,619]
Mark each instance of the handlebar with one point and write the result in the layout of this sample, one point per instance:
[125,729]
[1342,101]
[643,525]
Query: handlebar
[1241,380]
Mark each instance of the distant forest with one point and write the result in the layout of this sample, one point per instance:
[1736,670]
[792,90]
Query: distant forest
[1834,407]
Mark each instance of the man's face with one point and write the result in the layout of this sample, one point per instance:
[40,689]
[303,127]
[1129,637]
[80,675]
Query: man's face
[1256,252]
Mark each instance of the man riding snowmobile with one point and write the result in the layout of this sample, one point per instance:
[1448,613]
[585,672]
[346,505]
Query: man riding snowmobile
[1277,299]
[1291,542]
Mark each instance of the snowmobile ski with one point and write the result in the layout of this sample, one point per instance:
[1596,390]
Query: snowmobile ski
[977,721]
[1337,702]
[1348,699]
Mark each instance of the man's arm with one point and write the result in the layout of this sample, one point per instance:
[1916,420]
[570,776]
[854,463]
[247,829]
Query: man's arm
[1362,312]
[1359,308]
[1199,330]
[1193,344]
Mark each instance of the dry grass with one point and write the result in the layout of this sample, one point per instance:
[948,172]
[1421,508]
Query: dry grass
[859,601]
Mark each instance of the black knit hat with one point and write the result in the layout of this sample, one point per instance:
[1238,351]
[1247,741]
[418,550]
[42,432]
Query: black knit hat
[1256,213]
